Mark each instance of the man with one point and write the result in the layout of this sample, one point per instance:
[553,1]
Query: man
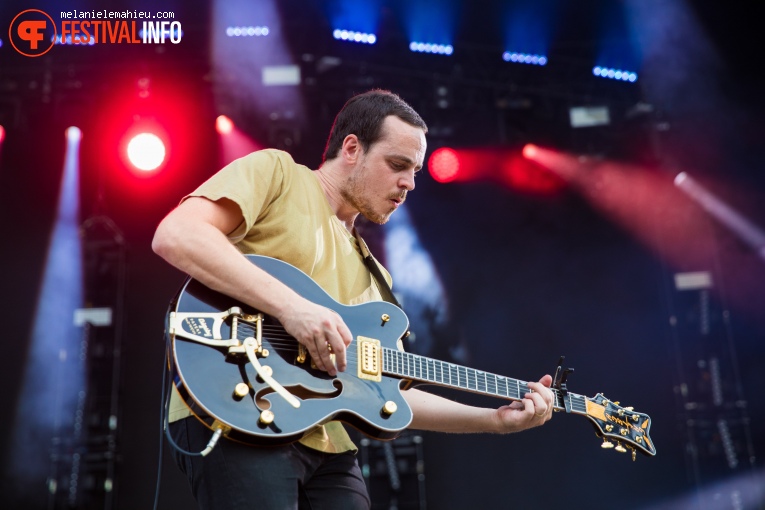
[268,204]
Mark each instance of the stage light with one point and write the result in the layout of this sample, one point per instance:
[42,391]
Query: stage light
[524,58]
[444,164]
[524,174]
[2,134]
[740,225]
[54,376]
[249,31]
[529,151]
[438,49]
[615,74]
[146,151]
[351,36]
[223,125]
[73,134]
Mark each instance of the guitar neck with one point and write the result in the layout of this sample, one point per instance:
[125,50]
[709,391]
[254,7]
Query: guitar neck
[418,368]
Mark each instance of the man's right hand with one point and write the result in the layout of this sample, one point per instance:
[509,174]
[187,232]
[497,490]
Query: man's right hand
[321,330]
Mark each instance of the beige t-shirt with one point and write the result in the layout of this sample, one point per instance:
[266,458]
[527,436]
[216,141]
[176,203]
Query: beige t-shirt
[287,216]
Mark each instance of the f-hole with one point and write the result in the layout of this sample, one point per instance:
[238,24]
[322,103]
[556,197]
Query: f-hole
[300,392]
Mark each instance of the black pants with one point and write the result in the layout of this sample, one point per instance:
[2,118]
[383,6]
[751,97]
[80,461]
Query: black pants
[235,476]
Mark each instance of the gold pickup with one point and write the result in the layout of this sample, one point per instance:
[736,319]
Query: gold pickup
[370,359]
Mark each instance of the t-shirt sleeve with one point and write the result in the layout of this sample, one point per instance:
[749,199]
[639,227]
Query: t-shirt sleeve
[252,182]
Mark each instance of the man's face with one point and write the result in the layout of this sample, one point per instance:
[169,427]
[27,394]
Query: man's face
[385,173]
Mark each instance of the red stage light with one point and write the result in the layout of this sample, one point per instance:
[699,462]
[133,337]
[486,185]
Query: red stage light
[444,164]
[146,151]
[526,175]
[224,125]
[2,133]
[530,151]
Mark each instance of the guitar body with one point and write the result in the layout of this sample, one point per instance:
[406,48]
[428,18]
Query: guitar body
[206,376]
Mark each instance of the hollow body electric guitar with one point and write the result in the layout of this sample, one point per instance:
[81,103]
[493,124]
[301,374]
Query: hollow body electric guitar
[242,374]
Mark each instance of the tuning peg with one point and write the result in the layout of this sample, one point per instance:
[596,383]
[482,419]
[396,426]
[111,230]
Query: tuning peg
[607,444]
[619,448]
[630,408]
[616,403]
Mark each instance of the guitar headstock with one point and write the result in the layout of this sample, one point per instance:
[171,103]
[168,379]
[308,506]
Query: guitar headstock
[620,425]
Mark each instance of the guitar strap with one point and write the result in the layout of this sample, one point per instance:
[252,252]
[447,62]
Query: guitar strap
[374,269]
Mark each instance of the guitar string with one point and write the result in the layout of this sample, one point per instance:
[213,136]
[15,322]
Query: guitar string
[290,344]
[279,338]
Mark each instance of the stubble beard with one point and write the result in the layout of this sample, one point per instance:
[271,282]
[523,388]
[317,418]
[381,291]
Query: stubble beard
[353,193]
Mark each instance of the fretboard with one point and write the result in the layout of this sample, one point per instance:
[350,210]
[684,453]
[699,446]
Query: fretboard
[428,370]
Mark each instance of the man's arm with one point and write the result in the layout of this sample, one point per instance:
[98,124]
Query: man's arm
[193,239]
[435,413]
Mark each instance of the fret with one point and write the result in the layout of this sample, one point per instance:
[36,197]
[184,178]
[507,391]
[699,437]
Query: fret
[478,381]
[502,383]
[491,386]
[470,378]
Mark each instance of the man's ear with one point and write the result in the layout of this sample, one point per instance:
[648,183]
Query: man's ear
[351,149]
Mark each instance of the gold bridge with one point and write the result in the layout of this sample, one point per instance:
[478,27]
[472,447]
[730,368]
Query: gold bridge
[370,359]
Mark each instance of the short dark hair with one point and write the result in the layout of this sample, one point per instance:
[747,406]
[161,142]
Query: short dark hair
[363,116]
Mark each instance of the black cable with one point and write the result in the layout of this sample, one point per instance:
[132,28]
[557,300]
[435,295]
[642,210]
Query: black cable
[166,374]
[167,388]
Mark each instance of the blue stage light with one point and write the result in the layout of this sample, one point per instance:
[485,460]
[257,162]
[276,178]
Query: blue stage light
[438,49]
[524,58]
[615,74]
[246,31]
[351,36]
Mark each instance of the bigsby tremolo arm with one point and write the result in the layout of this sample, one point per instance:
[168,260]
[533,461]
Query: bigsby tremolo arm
[205,328]
[252,346]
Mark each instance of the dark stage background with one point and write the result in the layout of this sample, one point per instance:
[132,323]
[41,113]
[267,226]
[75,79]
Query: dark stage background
[528,276]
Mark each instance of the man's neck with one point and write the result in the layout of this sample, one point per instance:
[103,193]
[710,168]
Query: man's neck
[329,179]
